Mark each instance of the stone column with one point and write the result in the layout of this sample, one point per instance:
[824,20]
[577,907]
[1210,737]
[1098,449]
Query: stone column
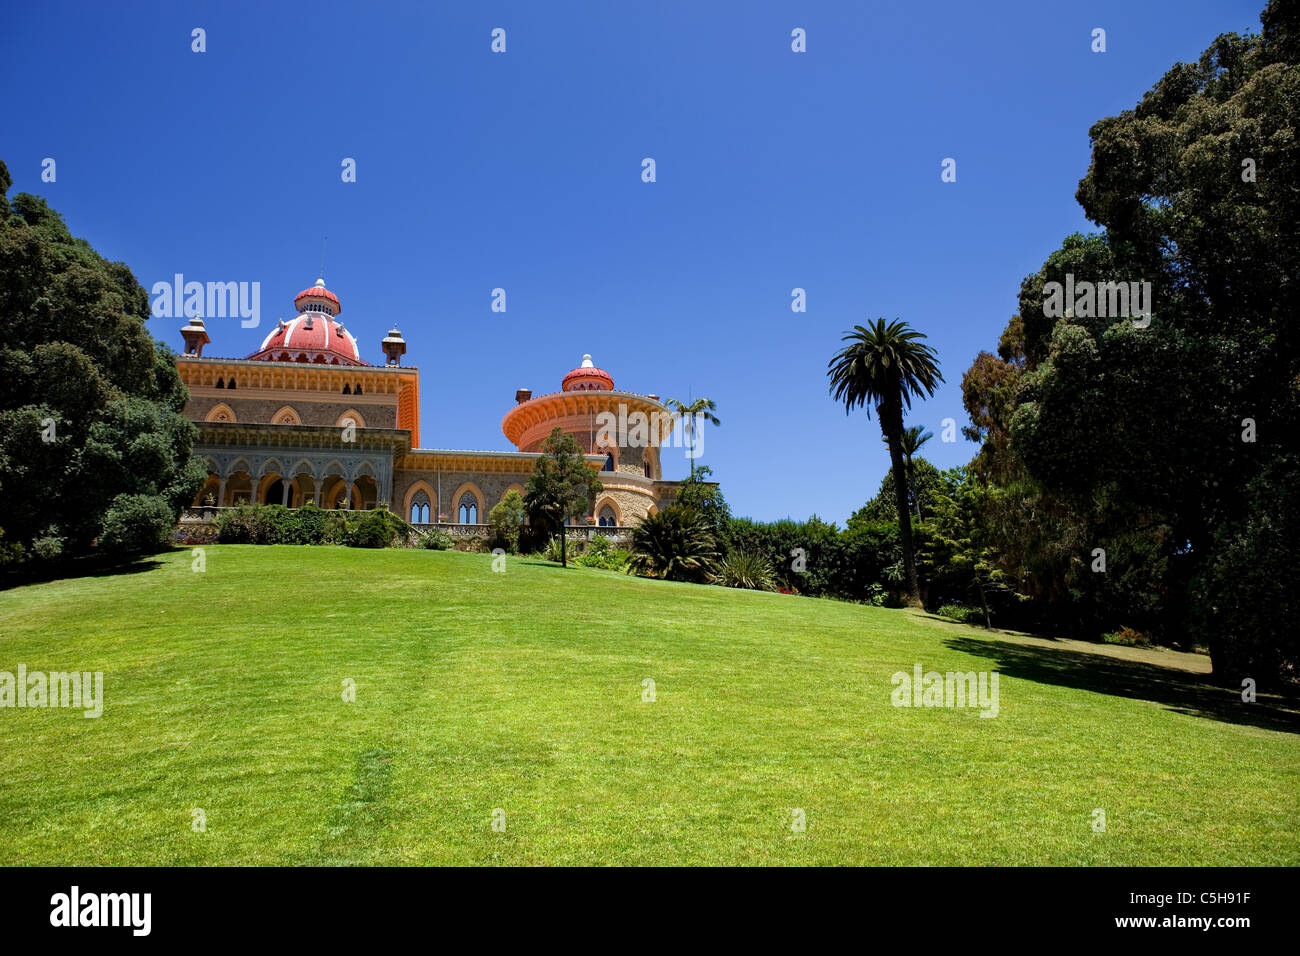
[221,492]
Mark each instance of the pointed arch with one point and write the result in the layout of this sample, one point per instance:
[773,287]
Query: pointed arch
[608,504]
[409,500]
[287,415]
[460,504]
[353,414]
[220,412]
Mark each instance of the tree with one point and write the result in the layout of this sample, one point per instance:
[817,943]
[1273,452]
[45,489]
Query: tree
[913,439]
[886,365]
[924,486]
[705,498]
[676,544]
[562,486]
[700,410]
[507,519]
[957,540]
[93,442]
[1148,436]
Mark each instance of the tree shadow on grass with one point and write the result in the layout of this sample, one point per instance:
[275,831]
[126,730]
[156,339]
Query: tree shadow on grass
[1178,690]
[79,568]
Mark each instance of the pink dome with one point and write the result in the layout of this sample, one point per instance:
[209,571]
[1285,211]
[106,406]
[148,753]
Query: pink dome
[315,336]
[317,293]
[588,378]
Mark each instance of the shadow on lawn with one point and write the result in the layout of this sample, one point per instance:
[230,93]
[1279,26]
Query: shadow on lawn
[1177,690]
[79,568]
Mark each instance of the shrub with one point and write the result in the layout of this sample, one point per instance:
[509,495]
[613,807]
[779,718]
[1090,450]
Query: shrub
[48,547]
[959,612]
[244,524]
[552,550]
[746,569]
[377,528]
[1128,637]
[433,539]
[336,528]
[675,544]
[601,554]
[136,524]
[507,521]
[307,525]
[813,557]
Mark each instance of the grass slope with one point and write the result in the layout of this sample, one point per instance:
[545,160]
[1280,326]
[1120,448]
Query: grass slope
[523,691]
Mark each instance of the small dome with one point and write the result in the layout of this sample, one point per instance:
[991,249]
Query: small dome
[588,378]
[318,298]
[315,336]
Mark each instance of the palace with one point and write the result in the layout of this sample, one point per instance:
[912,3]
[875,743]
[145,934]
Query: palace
[306,419]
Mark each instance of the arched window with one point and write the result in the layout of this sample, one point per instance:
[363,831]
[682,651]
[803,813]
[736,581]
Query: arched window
[347,389]
[467,511]
[606,519]
[420,508]
[645,468]
[221,383]
[357,391]
[232,384]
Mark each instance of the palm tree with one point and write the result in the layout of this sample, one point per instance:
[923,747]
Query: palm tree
[701,408]
[885,365]
[911,442]
[676,544]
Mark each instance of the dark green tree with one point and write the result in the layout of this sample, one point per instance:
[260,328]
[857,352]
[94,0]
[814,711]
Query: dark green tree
[705,498]
[924,486]
[93,442]
[563,486]
[507,520]
[1151,436]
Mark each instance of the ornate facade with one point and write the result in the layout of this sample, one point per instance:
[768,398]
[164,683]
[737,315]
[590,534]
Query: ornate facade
[306,418]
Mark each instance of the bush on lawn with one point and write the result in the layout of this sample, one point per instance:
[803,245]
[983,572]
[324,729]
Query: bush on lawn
[378,528]
[962,613]
[600,553]
[748,570]
[136,524]
[433,539]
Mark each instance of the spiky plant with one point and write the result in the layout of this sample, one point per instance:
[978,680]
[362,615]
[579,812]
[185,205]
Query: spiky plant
[676,544]
[746,569]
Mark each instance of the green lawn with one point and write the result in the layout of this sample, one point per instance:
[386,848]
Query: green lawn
[523,691]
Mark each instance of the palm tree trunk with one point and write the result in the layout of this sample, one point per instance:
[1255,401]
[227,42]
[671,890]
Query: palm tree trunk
[891,423]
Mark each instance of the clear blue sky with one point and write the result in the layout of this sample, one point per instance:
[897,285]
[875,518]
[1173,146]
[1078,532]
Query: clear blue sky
[522,170]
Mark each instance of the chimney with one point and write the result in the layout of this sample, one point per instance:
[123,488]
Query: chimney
[522,395]
[196,336]
[394,346]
